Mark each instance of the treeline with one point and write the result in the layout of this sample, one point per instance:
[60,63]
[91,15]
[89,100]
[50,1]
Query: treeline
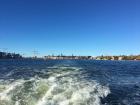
[5,55]
[121,57]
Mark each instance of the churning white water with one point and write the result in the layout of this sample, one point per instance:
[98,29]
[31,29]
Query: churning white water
[62,85]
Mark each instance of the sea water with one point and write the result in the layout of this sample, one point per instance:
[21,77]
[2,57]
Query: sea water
[69,82]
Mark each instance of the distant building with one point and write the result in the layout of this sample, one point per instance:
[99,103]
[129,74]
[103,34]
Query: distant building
[68,57]
[98,58]
[138,57]
[120,58]
[112,58]
[5,55]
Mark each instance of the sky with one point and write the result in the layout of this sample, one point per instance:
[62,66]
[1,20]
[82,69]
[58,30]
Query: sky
[80,27]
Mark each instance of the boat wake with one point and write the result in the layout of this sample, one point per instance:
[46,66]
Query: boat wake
[62,85]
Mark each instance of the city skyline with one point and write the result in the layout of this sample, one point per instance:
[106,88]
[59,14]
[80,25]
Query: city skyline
[79,27]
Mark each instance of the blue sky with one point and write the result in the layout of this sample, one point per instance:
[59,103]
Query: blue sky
[81,27]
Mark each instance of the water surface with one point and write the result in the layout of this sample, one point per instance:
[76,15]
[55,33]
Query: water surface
[69,82]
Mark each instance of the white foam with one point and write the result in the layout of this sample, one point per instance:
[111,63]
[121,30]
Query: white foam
[64,86]
[8,88]
[72,90]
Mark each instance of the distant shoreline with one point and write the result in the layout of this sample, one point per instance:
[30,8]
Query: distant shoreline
[62,59]
[7,55]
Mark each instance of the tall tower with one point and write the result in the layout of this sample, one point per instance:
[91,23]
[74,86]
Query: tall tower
[35,54]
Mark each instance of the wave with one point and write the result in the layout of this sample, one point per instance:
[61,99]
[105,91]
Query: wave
[63,85]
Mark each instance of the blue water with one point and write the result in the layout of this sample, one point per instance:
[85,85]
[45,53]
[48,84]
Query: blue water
[69,82]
